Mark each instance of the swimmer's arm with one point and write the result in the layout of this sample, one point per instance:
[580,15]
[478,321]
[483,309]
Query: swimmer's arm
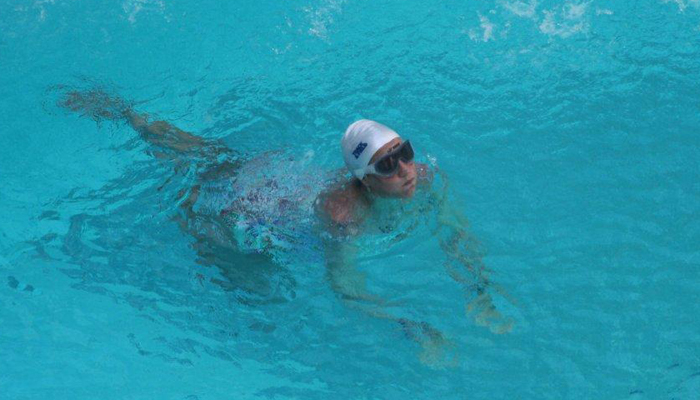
[343,276]
[350,284]
[457,241]
[336,209]
[465,264]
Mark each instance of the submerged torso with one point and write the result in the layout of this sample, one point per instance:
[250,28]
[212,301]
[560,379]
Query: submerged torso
[268,203]
[273,203]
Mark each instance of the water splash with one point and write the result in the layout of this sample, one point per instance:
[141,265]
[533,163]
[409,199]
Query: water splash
[683,4]
[522,9]
[134,7]
[565,22]
[486,28]
[323,16]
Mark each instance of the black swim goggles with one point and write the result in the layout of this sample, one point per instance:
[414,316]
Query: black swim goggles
[389,163]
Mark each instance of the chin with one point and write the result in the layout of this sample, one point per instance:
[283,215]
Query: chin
[408,193]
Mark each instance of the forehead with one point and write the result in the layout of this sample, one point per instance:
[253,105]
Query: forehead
[385,149]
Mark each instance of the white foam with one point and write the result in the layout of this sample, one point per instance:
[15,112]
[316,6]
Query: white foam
[683,4]
[565,22]
[279,51]
[133,7]
[42,10]
[603,11]
[521,8]
[574,11]
[505,30]
[487,26]
[486,30]
[323,16]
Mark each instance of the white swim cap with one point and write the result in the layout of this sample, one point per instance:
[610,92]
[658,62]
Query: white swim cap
[361,140]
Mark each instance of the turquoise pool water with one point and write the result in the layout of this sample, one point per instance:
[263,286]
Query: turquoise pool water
[568,130]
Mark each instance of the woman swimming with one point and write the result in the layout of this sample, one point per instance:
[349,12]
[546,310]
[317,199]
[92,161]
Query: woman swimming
[383,168]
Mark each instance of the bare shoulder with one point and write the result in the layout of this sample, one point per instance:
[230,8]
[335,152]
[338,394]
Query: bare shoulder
[341,204]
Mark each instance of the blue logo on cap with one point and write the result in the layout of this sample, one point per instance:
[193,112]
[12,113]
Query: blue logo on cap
[359,149]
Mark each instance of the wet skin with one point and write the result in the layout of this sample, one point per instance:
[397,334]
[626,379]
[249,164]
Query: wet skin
[345,204]
[402,184]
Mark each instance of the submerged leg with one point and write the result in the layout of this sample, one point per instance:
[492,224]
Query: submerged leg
[213,241]
[172,141]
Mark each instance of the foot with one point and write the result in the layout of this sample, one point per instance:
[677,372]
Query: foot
[95,104]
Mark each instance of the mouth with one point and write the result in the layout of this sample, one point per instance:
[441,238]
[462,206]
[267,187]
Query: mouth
[409,183]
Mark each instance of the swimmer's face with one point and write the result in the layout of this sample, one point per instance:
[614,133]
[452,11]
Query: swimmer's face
[401,184]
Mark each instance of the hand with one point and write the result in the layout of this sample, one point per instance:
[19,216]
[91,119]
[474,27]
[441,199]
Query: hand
[437,350]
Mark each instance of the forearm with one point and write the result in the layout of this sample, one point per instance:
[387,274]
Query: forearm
[343,276]
[464,264]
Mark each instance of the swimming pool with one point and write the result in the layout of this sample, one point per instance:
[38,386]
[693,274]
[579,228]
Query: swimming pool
[568,130]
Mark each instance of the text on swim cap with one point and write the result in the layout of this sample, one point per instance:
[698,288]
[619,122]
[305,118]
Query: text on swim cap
[359,149]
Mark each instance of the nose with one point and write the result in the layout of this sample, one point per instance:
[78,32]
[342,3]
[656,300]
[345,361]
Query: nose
[403,168]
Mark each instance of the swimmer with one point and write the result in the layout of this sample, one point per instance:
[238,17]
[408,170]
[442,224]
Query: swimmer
[381,165]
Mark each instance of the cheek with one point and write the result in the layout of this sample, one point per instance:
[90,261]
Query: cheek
[397,186]
[411,170]
[388,185]
[394,181]
[412,191]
